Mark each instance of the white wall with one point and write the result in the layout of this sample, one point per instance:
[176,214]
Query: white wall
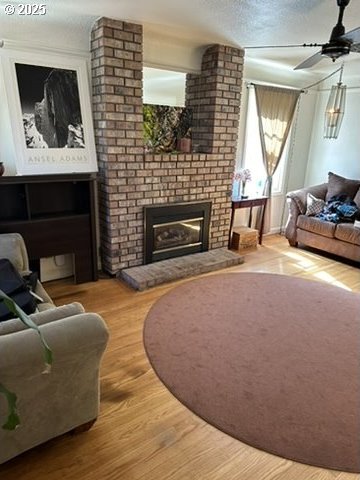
[163,87]
[341,155]
[301,142]
[7,146]
[170,53]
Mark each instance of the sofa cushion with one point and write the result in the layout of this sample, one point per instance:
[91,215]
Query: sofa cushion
[338,185]
[314,205]
[41,318]
[314,225]
[348,233]
[357,198]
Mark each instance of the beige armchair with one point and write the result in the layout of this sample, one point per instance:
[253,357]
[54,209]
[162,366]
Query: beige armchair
[68,397]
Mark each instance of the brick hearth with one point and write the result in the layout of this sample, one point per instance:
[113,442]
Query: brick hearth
[147,276]
[129,179]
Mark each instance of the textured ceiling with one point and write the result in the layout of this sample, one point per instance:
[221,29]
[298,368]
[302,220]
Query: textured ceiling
[196,23]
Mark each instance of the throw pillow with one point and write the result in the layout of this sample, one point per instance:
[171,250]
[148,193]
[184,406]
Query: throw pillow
[314,205]
[338,185]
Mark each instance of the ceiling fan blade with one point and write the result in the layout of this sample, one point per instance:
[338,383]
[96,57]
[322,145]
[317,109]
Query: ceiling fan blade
[286,46]
[353,36]
[355,47]
[310,61]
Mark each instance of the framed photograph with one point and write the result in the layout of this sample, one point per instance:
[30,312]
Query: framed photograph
[50,113]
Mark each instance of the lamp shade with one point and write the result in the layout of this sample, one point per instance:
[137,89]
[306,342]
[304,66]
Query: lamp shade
[334,112]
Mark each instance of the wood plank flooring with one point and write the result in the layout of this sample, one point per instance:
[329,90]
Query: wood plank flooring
[143,432]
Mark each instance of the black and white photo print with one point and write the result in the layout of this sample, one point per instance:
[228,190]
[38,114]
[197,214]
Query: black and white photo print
[50,106]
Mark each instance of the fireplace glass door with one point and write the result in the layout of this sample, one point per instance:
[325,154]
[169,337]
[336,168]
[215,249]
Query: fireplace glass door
[174,235]
[176,230]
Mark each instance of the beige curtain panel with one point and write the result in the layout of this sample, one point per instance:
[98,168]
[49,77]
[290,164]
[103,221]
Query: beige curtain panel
[275,107]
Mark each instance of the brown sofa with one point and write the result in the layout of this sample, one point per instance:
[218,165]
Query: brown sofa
[341,239]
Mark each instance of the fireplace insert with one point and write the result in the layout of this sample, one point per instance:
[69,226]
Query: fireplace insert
[176,230]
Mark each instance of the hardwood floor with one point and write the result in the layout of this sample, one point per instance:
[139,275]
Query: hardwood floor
[143,432]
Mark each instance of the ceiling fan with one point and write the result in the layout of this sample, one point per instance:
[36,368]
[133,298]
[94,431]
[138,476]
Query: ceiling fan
[340,43]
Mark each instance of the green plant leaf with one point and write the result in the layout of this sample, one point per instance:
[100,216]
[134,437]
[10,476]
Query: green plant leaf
[18,312]
[13,419]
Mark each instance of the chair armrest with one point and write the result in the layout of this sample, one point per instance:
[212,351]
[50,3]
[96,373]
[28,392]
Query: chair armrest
[296,201]
[12,247]
[40,290]
[77,335]
[299,196]
[51,404]
[40,318]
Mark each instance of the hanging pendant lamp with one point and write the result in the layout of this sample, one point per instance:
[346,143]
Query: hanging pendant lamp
[335,109]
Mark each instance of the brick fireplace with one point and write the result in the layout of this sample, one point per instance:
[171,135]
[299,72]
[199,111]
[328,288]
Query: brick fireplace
[129,179]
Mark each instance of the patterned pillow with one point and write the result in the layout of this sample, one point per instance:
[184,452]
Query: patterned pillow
[314,205]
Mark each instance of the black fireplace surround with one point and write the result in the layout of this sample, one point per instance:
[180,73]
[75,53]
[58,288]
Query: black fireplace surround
[176,230]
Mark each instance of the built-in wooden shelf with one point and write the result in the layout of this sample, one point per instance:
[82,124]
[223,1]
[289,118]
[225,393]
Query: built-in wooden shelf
[56,215]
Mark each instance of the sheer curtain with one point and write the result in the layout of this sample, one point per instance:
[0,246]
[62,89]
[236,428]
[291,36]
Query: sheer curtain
[275,108]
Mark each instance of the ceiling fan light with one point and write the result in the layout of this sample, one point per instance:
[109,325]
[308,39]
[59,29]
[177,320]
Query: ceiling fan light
[335,110]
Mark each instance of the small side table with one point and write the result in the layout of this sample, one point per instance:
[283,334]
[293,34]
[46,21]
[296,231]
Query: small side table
[248,203]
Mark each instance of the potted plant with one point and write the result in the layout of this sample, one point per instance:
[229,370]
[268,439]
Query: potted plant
[13,420]
[183,133]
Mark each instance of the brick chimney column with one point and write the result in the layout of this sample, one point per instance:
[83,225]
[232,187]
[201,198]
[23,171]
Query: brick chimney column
[116,49]
[215,97]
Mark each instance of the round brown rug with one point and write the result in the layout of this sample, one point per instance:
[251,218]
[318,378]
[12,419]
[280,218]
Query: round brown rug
[272,360]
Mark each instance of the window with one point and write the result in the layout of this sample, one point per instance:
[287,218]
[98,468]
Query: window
[252,156]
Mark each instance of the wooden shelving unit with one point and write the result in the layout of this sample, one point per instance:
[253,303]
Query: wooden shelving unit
[56,215]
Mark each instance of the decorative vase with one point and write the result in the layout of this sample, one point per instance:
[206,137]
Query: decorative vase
[2,169]
[243,185]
